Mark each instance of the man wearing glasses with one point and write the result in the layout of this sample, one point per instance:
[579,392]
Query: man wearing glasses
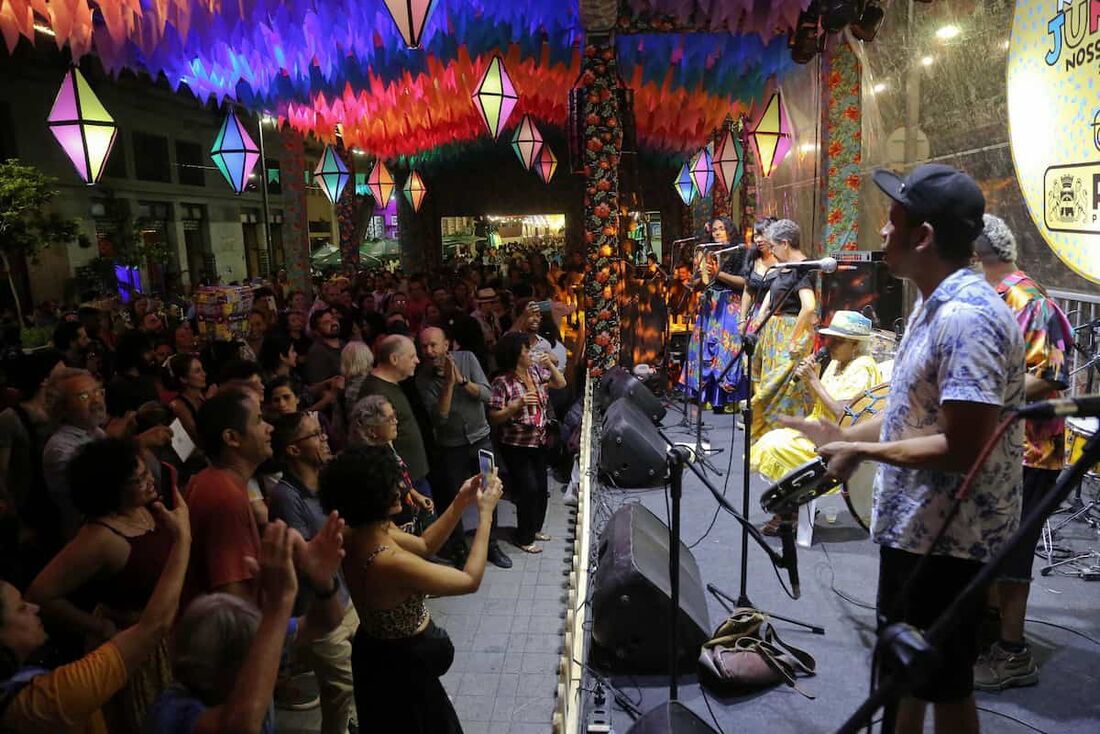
[75,403]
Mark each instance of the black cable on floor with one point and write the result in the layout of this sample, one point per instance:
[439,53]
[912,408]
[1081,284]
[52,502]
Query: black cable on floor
[706,700]
[1012,718]
[832,583]
[725,486]
[1093,640]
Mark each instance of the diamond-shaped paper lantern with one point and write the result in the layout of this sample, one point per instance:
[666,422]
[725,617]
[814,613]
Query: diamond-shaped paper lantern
[415,190]
[83,127]
[702,171]
[771,136]
[495,96]
[410,17]
[729,162]
[331,174]
[546,164]
[527,142]
[380,183]
[234,152]
[684,184]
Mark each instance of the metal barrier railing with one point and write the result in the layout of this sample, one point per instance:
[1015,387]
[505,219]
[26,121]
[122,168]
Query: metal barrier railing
[569,707]
[1082,308]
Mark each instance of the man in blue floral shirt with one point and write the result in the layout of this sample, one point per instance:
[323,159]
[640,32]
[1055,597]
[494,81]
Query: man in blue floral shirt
[959,370]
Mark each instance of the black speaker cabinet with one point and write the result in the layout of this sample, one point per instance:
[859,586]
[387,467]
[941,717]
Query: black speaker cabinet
[631,599]
[671,717]
[603,394]
[865,286]
[632,453]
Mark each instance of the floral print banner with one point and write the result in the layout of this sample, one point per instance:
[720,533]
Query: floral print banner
[602,144]
[841,138]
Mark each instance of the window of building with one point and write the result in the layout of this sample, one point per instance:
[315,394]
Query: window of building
[190,168]
[151,158]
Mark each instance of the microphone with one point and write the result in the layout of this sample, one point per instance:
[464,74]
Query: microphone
[790,557]
[1086,406]
[819,356]
[825,265]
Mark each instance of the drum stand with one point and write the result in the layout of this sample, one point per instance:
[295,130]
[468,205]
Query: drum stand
[748,347]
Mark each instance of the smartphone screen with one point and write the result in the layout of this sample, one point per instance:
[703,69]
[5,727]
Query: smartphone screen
[486,463]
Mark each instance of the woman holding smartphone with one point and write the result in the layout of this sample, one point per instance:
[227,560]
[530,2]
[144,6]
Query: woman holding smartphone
[519,406]
[399,654]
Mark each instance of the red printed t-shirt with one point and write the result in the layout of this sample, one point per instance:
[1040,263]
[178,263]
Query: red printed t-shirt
[223,531]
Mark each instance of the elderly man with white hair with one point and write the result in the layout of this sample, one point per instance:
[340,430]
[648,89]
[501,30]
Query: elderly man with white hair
[1047,339]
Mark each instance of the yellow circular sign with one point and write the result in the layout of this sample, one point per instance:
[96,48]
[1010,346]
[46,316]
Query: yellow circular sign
[1054,124]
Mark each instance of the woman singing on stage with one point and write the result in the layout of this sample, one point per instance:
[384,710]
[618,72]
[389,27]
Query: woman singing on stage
[786,337]
[719,311]
[758,274]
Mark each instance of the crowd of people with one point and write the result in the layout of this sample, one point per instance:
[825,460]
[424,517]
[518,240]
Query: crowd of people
[197,522]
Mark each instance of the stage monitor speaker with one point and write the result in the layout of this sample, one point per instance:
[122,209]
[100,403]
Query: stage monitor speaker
[631,597]
[602,395]
[618,382]
[671,717]
[632,452]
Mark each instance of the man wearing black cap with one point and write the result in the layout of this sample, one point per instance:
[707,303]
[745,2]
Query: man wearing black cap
[959,370]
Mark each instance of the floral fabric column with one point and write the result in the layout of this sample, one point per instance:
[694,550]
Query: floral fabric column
[348,219]
[296,220]
[603,139]
[841,141]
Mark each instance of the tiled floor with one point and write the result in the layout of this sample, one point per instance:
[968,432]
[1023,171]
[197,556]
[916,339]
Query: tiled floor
[507,639]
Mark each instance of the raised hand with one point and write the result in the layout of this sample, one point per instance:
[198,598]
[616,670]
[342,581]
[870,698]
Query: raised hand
[178,519]
[275,568]
[319,559]
[467,493]
[819,432]
[489,495]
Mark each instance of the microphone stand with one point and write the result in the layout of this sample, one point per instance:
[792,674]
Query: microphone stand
[748,348]
[913,651]
[704,317]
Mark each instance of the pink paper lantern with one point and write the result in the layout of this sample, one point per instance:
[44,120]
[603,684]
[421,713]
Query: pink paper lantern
[83,126]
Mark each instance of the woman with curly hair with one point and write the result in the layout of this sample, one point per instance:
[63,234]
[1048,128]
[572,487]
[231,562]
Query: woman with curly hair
[717,322]
[399,654]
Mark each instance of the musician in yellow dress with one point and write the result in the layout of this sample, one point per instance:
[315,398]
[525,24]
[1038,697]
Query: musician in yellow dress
[851,372]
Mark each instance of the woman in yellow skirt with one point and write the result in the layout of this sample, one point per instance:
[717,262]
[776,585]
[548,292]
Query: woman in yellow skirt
[850,373]
[786,337]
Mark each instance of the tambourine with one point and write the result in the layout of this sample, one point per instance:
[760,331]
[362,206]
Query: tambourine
[798,487]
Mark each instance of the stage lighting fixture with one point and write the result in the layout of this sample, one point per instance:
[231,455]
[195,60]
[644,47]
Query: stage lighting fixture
[840,13]
[867,27]
[806,38]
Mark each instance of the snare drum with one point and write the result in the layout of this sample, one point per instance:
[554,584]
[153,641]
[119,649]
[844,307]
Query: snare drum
[1078,433]
[859,490]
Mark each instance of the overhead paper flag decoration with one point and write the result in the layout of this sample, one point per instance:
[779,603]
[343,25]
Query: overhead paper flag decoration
[83,127]
[527,142]
[361,188]
[331,174]
[380,183]
[729,163]
[410,17]
[234,152]
[771,136]
[495,96]
[546,164]
[684,185]
[702,171]
[415,190]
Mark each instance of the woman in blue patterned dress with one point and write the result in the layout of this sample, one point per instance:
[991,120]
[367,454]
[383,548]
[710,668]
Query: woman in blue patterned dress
[719,312]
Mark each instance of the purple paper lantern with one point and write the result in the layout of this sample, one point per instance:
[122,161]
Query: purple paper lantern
[83,126]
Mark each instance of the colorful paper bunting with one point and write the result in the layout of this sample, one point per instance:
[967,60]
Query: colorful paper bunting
[702,171]
[415,190]
[527,142]
[410,17]
[729,163]
[771,136]
[361,188]
[83,126]
[380,183]
[547,164]
[234,152]
[495,96]
[331,174]
[684,184]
